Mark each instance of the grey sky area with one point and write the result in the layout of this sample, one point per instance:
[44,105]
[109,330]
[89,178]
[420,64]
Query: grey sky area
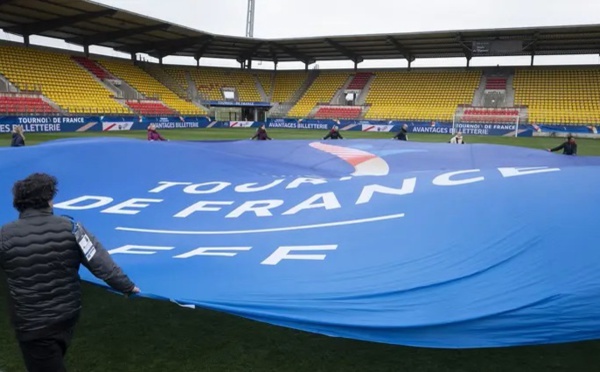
[295,18]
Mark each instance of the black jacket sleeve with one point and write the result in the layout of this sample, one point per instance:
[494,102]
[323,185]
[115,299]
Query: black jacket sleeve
[574,149]
[559,147]
[327,136]
[105,268]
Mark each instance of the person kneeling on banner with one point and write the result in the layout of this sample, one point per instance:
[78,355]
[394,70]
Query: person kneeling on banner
[18,138]
[40,255]
[458,139]
[402,135]
[569,147]
[153,134]
[334,133]
[261,134]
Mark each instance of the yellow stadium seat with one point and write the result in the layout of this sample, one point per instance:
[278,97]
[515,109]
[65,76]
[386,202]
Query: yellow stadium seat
[321,90]
[567,96]
[59,78]
[144,83]
[420,95]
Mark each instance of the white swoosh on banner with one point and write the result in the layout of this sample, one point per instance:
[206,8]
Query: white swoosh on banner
[364,163]
[269,230]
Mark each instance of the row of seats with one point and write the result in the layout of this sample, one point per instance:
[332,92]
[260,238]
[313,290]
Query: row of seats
[496,83]
[141,81]
[92,67]
[59,78]
[359,80]
[286,84]
[210,82]
[420,95]
[337,112]
[492,112]
[25,104]
[150,108]
[320,91]
[567,96]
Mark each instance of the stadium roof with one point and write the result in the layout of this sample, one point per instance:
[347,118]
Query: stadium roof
[88,23]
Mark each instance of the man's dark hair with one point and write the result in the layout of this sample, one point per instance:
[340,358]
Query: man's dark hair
[34,192]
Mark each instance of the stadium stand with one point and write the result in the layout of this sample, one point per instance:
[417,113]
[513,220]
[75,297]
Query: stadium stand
[211,81]
[420,95]
[18,104]
[337,112]
[565,96]
[150,87]
[321,91]
[286,84]
[266,81]
[178,74]
[57,77]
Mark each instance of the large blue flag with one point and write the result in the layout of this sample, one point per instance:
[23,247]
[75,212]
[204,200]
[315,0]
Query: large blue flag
[433,245]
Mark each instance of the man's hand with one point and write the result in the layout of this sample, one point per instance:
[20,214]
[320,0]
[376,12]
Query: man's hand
[134,291]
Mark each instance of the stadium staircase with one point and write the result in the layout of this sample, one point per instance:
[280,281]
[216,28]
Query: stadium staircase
[323,88]
[259,86]
[288,88]
[165,79]
[362,96]
[265,81]
[6,85]
[121,90]
[151,88]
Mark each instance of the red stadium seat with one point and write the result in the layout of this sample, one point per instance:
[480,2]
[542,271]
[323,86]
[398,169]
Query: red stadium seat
[338,112]
[92,67]
[359,80]
[495,83]
[485,115]
[19,104]
[150,108]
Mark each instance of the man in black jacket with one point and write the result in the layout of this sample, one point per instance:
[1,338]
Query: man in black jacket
[41,254]
[569,147]
[403,134]
[334,133]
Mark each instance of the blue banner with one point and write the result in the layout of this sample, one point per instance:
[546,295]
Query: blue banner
[237,104]
[55,124]
[421,244]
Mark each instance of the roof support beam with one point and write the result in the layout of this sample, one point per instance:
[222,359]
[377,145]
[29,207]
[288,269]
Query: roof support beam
[202,50]
[173,49]
[52,24]
[273,55]
[250,52]
[114,35]
[467,51]
[345,51]
[401,49]
[294,53]
[166,45]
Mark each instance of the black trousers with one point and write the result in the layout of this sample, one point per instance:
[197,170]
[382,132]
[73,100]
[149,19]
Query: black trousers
[46,354]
